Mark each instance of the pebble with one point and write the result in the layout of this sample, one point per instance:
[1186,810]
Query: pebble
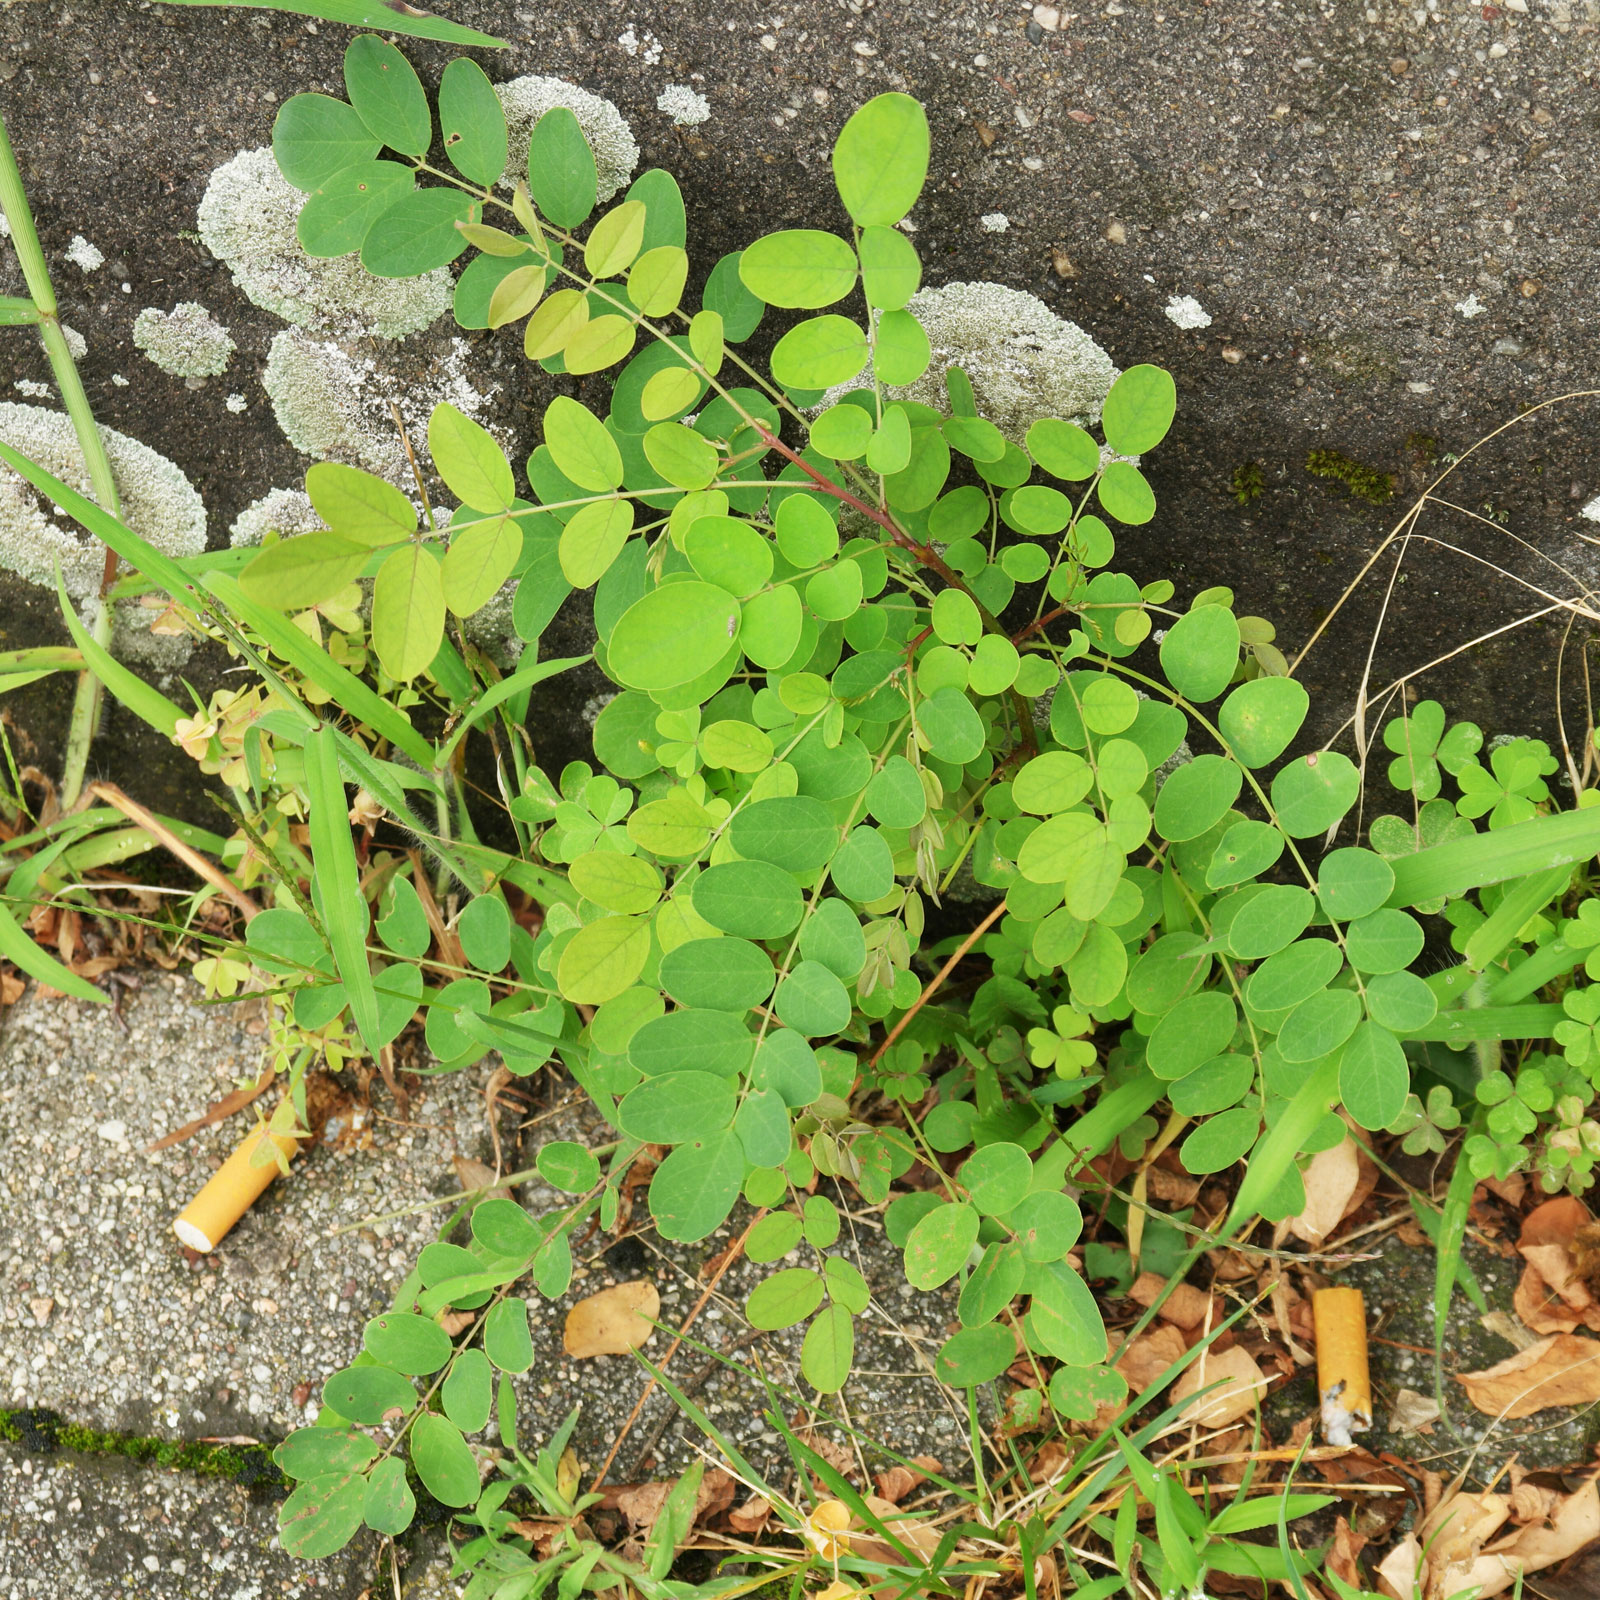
[1047,17]
[1116,234]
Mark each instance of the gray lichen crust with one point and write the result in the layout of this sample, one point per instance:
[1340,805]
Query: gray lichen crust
[335,406]
[1024,361]
[286,511]
[616,152]
[158,501]
[187,341]
[247,220]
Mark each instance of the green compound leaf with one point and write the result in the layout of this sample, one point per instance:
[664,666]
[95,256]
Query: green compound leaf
[1260,718]
[468,1392]
[1352,881]
[484,929]
[1201,651]
[728,552]
[615,882]
[447,1467]
[364,1394]
[478,563]
[339,213]
[1219,1141]
[752,899]
[389,1504]
[975,1356]
[672,635]
[1064,1317]
[890,270]
[697,1186]
[1311,794]
[603,959]
[800,269]
[1139,410]
[692,1041]
[506,1338]
[819,353]
[1063,449]
[319,1452]
[599,344]
[567,1166]
[472,122]
[358,505]
[1191,1032]
[773,1237]
[591,542]
[784,1299]
[472,465]
[1078,1392]
[561,170]
[1384,941]
[406,1342]
[322,1515]
[1196,797]
[1319,1025]
[996,1178]
[677,1107]
[1124,494]
[1293,975]
[828,1349]
[315,136]
[418,233]
[301,572]
[794,832]
[880,159]
[901,351]
[387,95]
[1274,917]
[1374,1077]
[812,1001]
[762,1124]
[939,1245]
[1245,851]
[1401,1002]
[408,611]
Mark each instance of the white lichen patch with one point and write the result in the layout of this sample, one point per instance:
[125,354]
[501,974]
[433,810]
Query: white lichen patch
[687,107]
[287,511]
[84,255]
[158,501]
[33,388]
[187,341]
[1184,311]
[77,345]
[1471,307]
[236,403]
[335,406]
[616,152]
[648,48]
[995,221]
[247,220]
[1024,361]
[1592,510]
[119,380]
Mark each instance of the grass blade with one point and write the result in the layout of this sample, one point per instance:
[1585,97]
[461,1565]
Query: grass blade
[382,18]
[144,701]
[505,690]
[21,951]
[1526,847]
[344,912]
[1490,1022]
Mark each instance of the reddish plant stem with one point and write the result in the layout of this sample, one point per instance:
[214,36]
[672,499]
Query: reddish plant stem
[1039,625]
[926,554]
[939,977]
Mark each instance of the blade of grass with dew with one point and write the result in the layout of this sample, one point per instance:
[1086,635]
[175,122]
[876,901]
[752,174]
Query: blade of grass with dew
[1491,938]
[1544,965]
[144,700]
[1458,865]
[349,693]
[1488,1023]
[344,912]
[38,963]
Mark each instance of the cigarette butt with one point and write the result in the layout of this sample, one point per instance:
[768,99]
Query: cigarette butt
[1343,1379]
[231,1191]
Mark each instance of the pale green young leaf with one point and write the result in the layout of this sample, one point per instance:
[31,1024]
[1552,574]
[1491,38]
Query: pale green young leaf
[516,295]
[478,563]
[472,465]
[880,159]
[657,278]
[408,611]
[554,324]
[592,539]
[706,340]
[615,240]
[294,574]
[359,505]
[800,269]
[580,446]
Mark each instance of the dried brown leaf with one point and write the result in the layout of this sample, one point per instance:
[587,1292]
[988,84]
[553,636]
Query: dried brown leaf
[1184,1308]
[752,1516]
[1413,1412]
[612,1322]
[1562,1370]
[1397,1572]
[895,1484]
[1331,1178]
[1242,1387]
[1342,1553]
[1150,1355]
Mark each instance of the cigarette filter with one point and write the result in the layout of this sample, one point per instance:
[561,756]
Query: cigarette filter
[231,1191]
[1343,1380]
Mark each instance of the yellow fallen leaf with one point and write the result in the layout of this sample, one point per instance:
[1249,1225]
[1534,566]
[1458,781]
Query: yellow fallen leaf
[612,1322]
[1563,1370]
[1330,1179]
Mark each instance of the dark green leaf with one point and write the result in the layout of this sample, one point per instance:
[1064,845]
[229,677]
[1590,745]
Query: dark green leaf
[561,170]
[387,95]
[472,122]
